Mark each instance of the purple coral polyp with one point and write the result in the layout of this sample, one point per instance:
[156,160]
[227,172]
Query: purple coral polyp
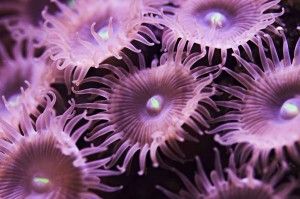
[268,105]
[23,76]
[145,108]
[92,31]
[220,24]
[233,182]
[41,160]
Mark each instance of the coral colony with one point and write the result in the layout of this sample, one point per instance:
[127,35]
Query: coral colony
[142,99]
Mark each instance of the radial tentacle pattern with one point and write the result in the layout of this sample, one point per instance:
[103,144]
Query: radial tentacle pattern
[266,114]
[219,24]
[86,33]
[145,108]
[233,183]
[41,160]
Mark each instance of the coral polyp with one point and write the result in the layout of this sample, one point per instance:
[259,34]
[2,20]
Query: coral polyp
[24,76]
[267,108]
[86,33]
[234,183]
[41,159]
[220,24]
[145,108]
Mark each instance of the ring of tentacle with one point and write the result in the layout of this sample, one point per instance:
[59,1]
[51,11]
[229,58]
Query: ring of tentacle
[233,183]
[145,108]
[41,160]
[92,31]
[267,105]
[23,75]
[220,24]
